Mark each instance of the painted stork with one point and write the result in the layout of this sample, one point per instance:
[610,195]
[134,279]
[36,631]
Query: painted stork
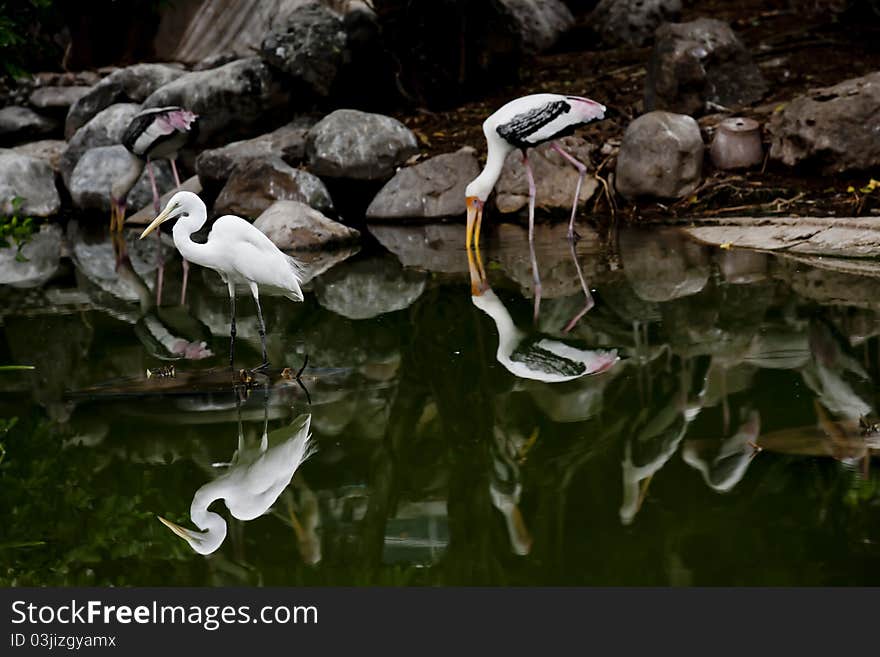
[236,250]
[521,124]
[157,133]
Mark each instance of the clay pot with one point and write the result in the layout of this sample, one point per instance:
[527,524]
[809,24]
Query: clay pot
[737,144]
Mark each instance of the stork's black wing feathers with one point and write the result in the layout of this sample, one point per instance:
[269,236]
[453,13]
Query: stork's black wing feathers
[136,128]
[543,360]
[520,127]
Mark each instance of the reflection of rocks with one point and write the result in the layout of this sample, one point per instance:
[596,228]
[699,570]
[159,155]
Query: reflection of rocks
[555,178]
[295,225]
[315,263]
[256,185]
[359,145]
[309,47]
[41,256]
[835,127]
[830,287]
[236,100]
[662,264]
[429,190]
[432,247]
[576,401]
[18,124]
[104,129]
[661,155]
[99,168]
[741,266]
[369,288]
[697,64]
[130,84]
[30,179]
[214,166]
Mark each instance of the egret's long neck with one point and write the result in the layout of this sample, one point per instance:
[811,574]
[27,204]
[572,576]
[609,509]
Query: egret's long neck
[508,335]
[482,185]
[184,227]
[212,524]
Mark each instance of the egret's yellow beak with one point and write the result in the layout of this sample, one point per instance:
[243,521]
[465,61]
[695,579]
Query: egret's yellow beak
[184,533]
[164,216]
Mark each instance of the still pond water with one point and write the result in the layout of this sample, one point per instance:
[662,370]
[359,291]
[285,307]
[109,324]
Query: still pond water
[722,446]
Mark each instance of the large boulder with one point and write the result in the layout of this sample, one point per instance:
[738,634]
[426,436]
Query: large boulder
[57,98]
[700,65]
[49,150]
[131,84]
[256,185]
[236,100]
[539,23]
[834,127]
[296,226]
[661,156]
[30,179]
[632,22]
[555,178]
[100,167]
[104,129]
[359,145]
[429,190]
[18,124]
[310,47]
[39,262]
[215,165]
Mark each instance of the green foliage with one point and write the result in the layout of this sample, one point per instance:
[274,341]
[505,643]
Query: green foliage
[22,41]
[16,229]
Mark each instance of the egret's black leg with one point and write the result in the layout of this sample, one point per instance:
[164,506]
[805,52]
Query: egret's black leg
[265,362]
[300,381]
[535,274]
[582,172]
[232,327]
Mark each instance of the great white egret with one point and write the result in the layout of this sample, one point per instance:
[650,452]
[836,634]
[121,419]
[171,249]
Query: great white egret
[240,253]
[522,124]
[157,133]
[252,484]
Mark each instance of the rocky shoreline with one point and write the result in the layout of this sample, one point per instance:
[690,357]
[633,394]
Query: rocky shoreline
[275,145]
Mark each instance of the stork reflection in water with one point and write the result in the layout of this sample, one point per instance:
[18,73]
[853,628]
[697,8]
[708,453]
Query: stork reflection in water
[253,482]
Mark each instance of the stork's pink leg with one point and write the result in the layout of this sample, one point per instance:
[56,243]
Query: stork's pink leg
[588,298]
[532,194]
[160,270]
[582,172]
[185,262]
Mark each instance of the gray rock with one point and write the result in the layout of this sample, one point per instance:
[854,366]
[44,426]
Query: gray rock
[368,288]
[235,100]
[835,127]
[49,150]
[540,22]
[214,166]
[661,156]
[663,264]
[99,167]
[18,124]
[555,178]
[359,145]
[699,64]
[31,179]
[429,190]
[41,256]
[256,185]
[294,225]
[132,84]
[310,47]
[104,129]
[632,22]
[57,97]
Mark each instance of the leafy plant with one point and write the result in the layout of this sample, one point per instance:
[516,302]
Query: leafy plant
[16,228]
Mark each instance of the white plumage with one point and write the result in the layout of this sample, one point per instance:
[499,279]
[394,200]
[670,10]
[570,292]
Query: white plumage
[236,250]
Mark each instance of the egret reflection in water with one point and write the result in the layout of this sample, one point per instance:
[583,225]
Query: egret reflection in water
[254,480]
